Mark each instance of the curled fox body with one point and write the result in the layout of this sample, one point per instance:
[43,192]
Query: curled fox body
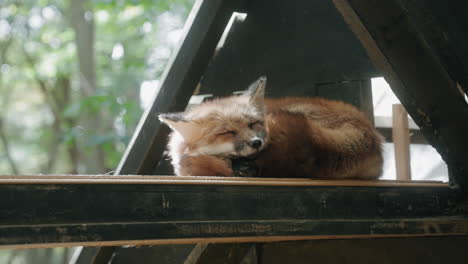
[285,138]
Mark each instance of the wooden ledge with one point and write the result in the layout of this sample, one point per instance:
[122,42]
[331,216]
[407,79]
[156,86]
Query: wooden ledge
[257,239]
[191,180]
[89,210]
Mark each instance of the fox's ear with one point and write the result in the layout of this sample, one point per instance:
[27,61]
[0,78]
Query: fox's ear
[256,92]
[178,122]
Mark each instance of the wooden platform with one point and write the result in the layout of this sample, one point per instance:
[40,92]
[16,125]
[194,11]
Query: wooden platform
[102,210]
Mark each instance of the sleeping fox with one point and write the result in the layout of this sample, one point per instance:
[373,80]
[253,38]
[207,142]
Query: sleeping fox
[282,138]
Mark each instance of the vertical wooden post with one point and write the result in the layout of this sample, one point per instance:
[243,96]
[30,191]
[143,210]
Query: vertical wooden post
[367,104]
[401,140]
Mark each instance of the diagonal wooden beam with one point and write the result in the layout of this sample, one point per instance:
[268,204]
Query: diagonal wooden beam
[93,255]
[203,30]
[415,75]
[223,253]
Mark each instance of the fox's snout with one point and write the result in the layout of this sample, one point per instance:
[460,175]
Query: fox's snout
[256,143]
[244,148]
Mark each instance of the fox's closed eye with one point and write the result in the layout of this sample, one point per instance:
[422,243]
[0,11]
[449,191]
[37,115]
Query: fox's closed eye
[228,132]
[255,123]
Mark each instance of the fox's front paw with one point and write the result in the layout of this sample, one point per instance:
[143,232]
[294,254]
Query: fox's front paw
[243,167]
[205,165]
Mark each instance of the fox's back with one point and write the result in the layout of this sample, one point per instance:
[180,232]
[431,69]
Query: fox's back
[329,111]
[319,138]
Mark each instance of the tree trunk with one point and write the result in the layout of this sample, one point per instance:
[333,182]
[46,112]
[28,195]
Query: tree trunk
[82,22]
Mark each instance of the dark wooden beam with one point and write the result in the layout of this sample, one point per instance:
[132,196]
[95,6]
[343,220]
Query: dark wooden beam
[443,25]
[203,29]
[415,75]
[121,210]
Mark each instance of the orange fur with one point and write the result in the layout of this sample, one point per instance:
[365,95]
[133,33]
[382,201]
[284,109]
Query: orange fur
[205,165]
[289,137]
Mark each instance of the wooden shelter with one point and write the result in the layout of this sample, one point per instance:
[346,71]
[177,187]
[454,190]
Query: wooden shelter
[306,48]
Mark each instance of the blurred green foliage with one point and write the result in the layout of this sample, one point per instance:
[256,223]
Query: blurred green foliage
[47,116]
[63,111]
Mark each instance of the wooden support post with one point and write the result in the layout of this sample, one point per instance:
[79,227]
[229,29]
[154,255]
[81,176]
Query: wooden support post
[93,255]
[401,141]
[415,75]
[227,253]
[365,96]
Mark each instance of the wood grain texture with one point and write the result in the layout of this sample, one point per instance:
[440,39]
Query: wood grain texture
[117,214]
[203,180]
[443,24]
[458,227]
[401,141]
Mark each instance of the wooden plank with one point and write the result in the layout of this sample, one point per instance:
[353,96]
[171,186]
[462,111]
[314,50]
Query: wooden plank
[416,76]
[202,180]
[203,29]
[401,141]
[411,228]
[433,250]
[155,213]
[365,97]
[443,25]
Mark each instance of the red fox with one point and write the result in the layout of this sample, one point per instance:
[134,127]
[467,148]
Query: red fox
[282,138]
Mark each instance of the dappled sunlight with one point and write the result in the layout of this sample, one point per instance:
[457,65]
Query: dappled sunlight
[148,90]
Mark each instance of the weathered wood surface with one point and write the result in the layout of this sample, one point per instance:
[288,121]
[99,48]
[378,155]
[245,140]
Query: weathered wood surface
[163,212]
[416,76]
[401,141]
[206,180]
[427,250]
[443,25]
[203,29]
